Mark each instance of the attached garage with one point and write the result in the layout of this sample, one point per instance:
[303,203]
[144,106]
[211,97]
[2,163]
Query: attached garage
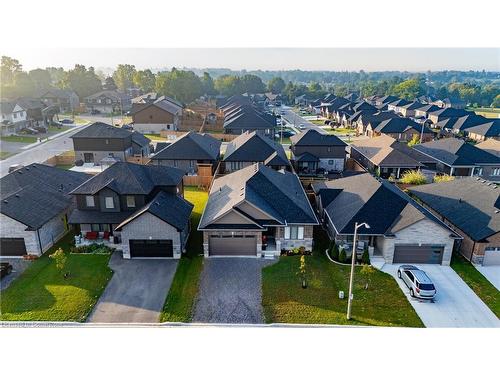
[12,247]
[151,248]
[233,245]
[429,254]
[491,256]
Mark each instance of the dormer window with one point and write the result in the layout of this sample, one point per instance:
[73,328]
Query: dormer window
[130,201]
[109,202]
[89,200]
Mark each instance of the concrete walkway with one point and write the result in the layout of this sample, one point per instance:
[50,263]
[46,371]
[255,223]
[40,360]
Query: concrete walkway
[136,292]
[455,304]
[492,273]
[230,291]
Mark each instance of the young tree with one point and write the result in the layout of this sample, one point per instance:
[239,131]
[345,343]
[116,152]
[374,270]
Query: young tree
[276,85]
[367,271]
[303,271]
[365,258]
[60,258]
[124,75]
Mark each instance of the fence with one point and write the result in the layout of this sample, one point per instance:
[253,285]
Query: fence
[66,158]
[202,179]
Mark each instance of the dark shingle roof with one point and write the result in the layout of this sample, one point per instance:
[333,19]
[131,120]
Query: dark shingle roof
[102,130]
[312,137]
[456,152]
[140,139]
[251,146]
[400,125]
[130,178]
[450,112]
[248,118]
[489,129]
[191,146]
[468,203]
[36,193]
[170,208]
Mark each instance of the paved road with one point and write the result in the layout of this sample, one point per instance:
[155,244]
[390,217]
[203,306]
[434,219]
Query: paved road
[230,291]
[455,305]
[296,120]
[136,292]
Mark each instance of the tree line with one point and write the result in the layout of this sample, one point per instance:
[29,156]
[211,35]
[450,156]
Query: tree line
[475,88]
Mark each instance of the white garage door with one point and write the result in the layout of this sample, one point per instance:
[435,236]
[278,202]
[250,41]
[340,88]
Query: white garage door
[491,256]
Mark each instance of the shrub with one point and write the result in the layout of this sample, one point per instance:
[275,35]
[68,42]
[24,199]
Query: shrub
[342,256]
[443,178]
[414,140]
[413,178]
[365,258]
[335,252]
[60,257]
[91,249]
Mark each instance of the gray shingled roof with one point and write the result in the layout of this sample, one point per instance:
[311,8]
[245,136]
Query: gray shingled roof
[279,194]
[35,194]
[312,137]
[253,147]
[140,139]
[471,204]
[170,208]
[191,146]
[102,130]
[400,125]
[130,178]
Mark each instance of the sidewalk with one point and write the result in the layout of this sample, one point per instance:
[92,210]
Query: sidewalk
[73,127]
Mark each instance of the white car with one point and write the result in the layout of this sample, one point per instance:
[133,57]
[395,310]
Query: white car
[302,126]
[417,281]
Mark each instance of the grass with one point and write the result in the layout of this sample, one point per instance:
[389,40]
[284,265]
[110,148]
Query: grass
[284,300]
[65,166]
[477,282]
[4,155]
[41,293]
[155,137]
[180,300]
[55,129]
[19,138]
[486,112]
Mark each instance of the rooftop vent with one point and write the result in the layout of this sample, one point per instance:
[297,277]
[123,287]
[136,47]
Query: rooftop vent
[17,195]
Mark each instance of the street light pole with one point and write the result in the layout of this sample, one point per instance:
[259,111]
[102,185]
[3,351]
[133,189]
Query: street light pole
[353,260]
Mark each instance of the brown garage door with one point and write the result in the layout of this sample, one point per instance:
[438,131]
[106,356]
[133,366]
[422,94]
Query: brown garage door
[418,254]
[233,245]
[12,247]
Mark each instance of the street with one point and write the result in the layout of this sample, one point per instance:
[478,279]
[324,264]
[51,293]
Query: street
[294,119]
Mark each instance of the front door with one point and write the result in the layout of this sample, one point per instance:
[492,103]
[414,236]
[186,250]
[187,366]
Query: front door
[88,157]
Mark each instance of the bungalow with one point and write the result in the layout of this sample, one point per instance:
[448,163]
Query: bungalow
[490,145]
[34,208]
[400,230]
[385,100]
[425,110]
[400,128]
[445,113]
[460,124]
[370,118]
[450,103]
[239,119]
[256,211]
[315,153]
[162,114]
[488,130]
[386,157]
[189,152]
[409,110]
[455,157]
[397,104]
[137,209]
[108,101]
[250,148]
[101,141]
[470,206]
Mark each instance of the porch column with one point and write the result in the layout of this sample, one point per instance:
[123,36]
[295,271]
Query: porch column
[397,176]
[278,247]
[451,171]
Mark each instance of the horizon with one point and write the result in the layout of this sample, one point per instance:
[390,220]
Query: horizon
[412,60]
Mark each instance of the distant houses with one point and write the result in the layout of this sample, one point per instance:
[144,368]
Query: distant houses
[154,115]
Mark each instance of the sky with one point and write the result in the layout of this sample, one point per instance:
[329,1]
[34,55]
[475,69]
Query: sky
[337,59]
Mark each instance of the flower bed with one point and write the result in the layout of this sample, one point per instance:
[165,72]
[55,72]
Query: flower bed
[91,249]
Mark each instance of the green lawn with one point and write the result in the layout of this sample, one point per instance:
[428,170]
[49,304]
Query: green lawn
[181,297]
[55,129]
[42,293]
[65,166]
[284,300]
[155,137]
[486,111]
[477,282]
[4,155]
[19,138]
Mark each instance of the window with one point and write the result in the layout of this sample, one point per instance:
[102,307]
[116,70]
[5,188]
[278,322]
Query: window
[330,162]
[89,199]
[95,227]
[294,233]
[495,172]
[130,201]
[107,141]
[15,115]
[109,202]
[100,228]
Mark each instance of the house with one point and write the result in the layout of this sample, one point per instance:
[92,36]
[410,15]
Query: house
[445,113]
[138,209]
[424,111]
[385,100]
[471,207]
[272,99]
[34,110]
[401,231]
[409,110]
[455,157]
[400,128]
[329,108]
[162,114]
[460,124]
[352,97]
[490,145]
[99,141]
[189,152]
[239,119]
[35,204]
[13,118]
[396,105]
[386,157]
[256,211]
[488,130]
[250,148]
[450,103]
[108,101]
[315,153]
[65,100]
[360,122]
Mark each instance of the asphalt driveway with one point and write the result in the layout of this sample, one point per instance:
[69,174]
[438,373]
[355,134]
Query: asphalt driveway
[136,292]
[230,291]
[455,305]
[19,265]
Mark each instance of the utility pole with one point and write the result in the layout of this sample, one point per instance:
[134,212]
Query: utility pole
[353,260]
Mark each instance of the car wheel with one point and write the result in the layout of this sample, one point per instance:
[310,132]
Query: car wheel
[412,293]
[399,274]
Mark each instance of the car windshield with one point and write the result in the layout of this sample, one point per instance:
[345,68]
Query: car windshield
[426,286]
